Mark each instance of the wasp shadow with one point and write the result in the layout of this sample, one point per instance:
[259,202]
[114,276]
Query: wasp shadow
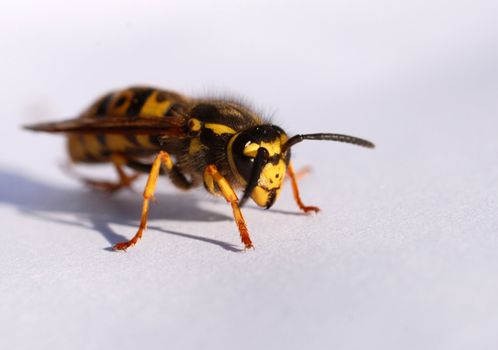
[96,210]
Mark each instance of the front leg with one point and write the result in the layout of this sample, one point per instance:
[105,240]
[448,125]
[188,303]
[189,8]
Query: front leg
[212,177]
[295,191]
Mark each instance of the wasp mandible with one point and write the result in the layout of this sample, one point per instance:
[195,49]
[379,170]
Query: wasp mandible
[220,143]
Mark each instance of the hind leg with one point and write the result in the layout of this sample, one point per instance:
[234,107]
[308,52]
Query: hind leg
[124,181]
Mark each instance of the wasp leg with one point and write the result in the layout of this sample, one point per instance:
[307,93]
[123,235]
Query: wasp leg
[295,191]
[301,173]
[213,175]
[124,181]
[175,174]
[161,158]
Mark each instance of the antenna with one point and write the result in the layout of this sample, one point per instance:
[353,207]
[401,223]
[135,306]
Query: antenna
[327,137]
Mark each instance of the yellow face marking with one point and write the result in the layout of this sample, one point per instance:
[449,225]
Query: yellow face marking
[271,179]
[272,175]
[195,146]
[219,129]
[261,195]
[154,109]
[272,147]
[194,125]
[251,149]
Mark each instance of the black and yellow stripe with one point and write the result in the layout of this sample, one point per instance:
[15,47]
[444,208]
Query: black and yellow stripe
[129,104]
[137,102]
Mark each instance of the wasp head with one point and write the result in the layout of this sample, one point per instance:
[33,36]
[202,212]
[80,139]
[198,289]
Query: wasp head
[259,162]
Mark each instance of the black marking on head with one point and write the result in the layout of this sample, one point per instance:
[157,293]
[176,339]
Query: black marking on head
[274,159]
[258,134]
[103,106]
[140,95]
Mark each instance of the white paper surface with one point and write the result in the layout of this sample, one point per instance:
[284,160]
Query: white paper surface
[404,254]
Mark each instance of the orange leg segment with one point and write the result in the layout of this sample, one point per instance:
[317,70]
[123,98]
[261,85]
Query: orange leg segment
[230,196]
[124,181]
[295,191]
[302,173]
[162,158]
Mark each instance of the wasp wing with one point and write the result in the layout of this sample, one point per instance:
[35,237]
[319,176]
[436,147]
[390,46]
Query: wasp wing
[169,126]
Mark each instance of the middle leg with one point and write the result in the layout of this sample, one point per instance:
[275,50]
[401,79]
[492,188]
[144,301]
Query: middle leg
[162,158]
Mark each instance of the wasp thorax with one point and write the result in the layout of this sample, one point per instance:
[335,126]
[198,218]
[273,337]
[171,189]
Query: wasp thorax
[244,152]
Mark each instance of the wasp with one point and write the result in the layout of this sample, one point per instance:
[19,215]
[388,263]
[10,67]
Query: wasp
[220,143]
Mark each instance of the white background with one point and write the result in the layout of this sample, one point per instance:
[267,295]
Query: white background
[404,254]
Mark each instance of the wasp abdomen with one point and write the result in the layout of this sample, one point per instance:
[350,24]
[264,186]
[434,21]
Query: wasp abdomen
[132,103]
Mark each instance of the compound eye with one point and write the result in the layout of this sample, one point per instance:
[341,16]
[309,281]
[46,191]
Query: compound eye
[244,149]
